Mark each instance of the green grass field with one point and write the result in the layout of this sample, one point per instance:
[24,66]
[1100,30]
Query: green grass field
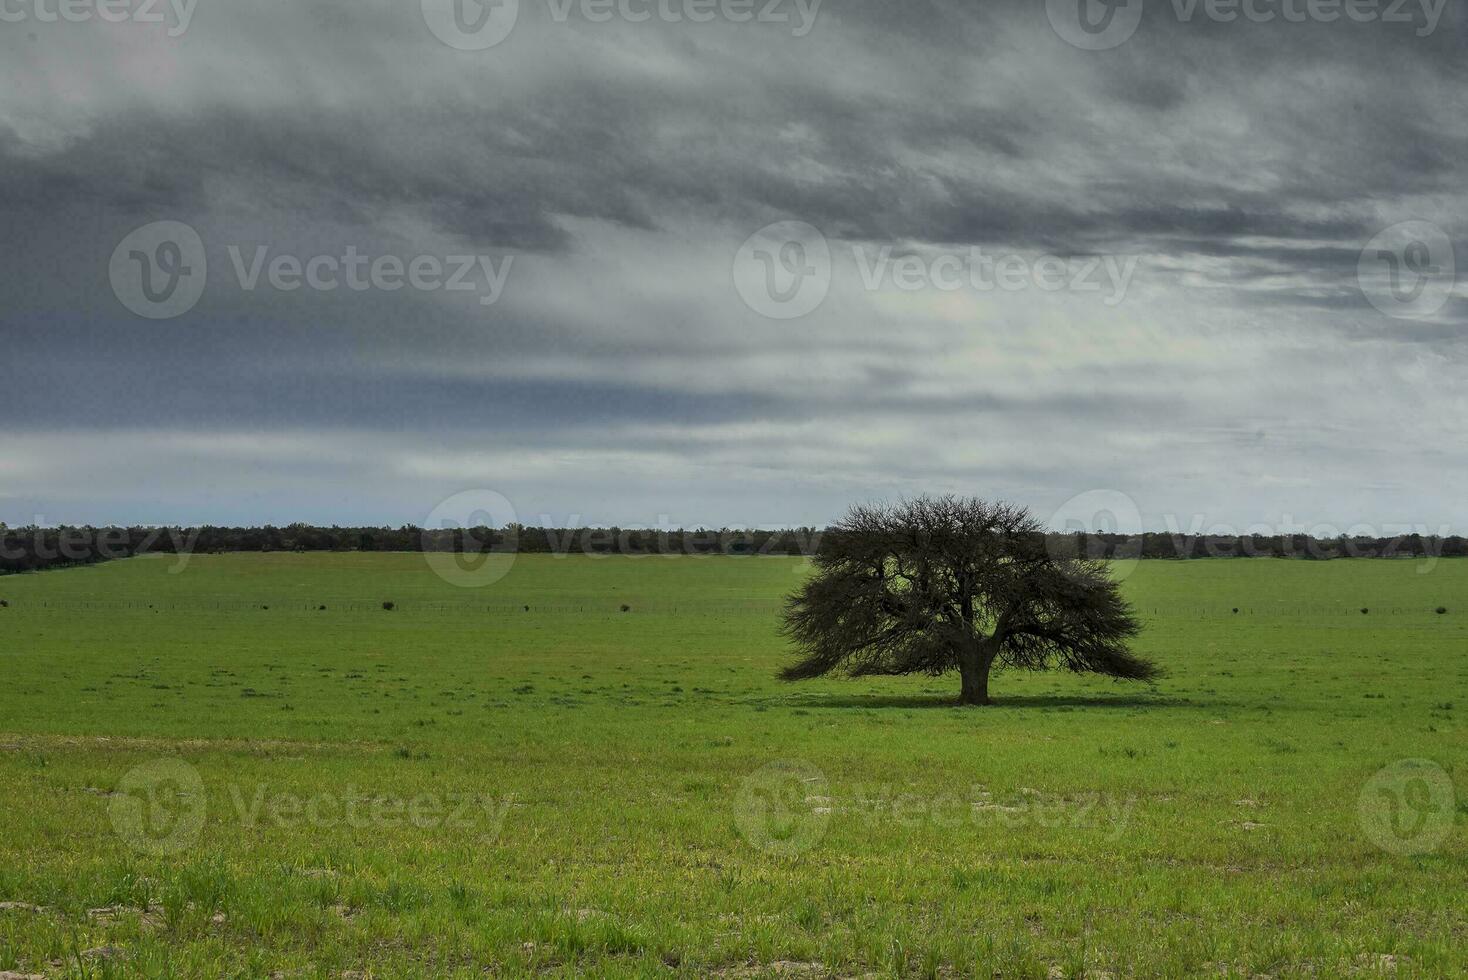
[462,785]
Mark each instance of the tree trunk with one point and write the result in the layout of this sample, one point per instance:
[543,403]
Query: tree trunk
[973,669]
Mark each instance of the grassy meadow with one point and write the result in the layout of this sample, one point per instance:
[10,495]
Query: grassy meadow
[204,773]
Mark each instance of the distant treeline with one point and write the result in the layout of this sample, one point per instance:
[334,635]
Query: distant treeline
[34,548]
[1158,544]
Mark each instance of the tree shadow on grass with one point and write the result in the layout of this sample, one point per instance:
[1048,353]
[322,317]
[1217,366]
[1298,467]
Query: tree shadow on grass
[998,703]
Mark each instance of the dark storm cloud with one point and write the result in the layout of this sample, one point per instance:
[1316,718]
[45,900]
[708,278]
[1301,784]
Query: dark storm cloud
[622,164]
[148,163]
[1342,124]
[585,143]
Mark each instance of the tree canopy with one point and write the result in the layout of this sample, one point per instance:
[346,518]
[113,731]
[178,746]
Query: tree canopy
[938,584]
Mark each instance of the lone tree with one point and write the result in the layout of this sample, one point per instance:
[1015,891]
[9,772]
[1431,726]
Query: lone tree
[945,583]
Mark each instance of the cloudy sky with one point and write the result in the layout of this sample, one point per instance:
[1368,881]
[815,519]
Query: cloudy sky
[703,262]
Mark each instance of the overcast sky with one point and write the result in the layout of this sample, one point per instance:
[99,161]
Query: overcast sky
[1185,316]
